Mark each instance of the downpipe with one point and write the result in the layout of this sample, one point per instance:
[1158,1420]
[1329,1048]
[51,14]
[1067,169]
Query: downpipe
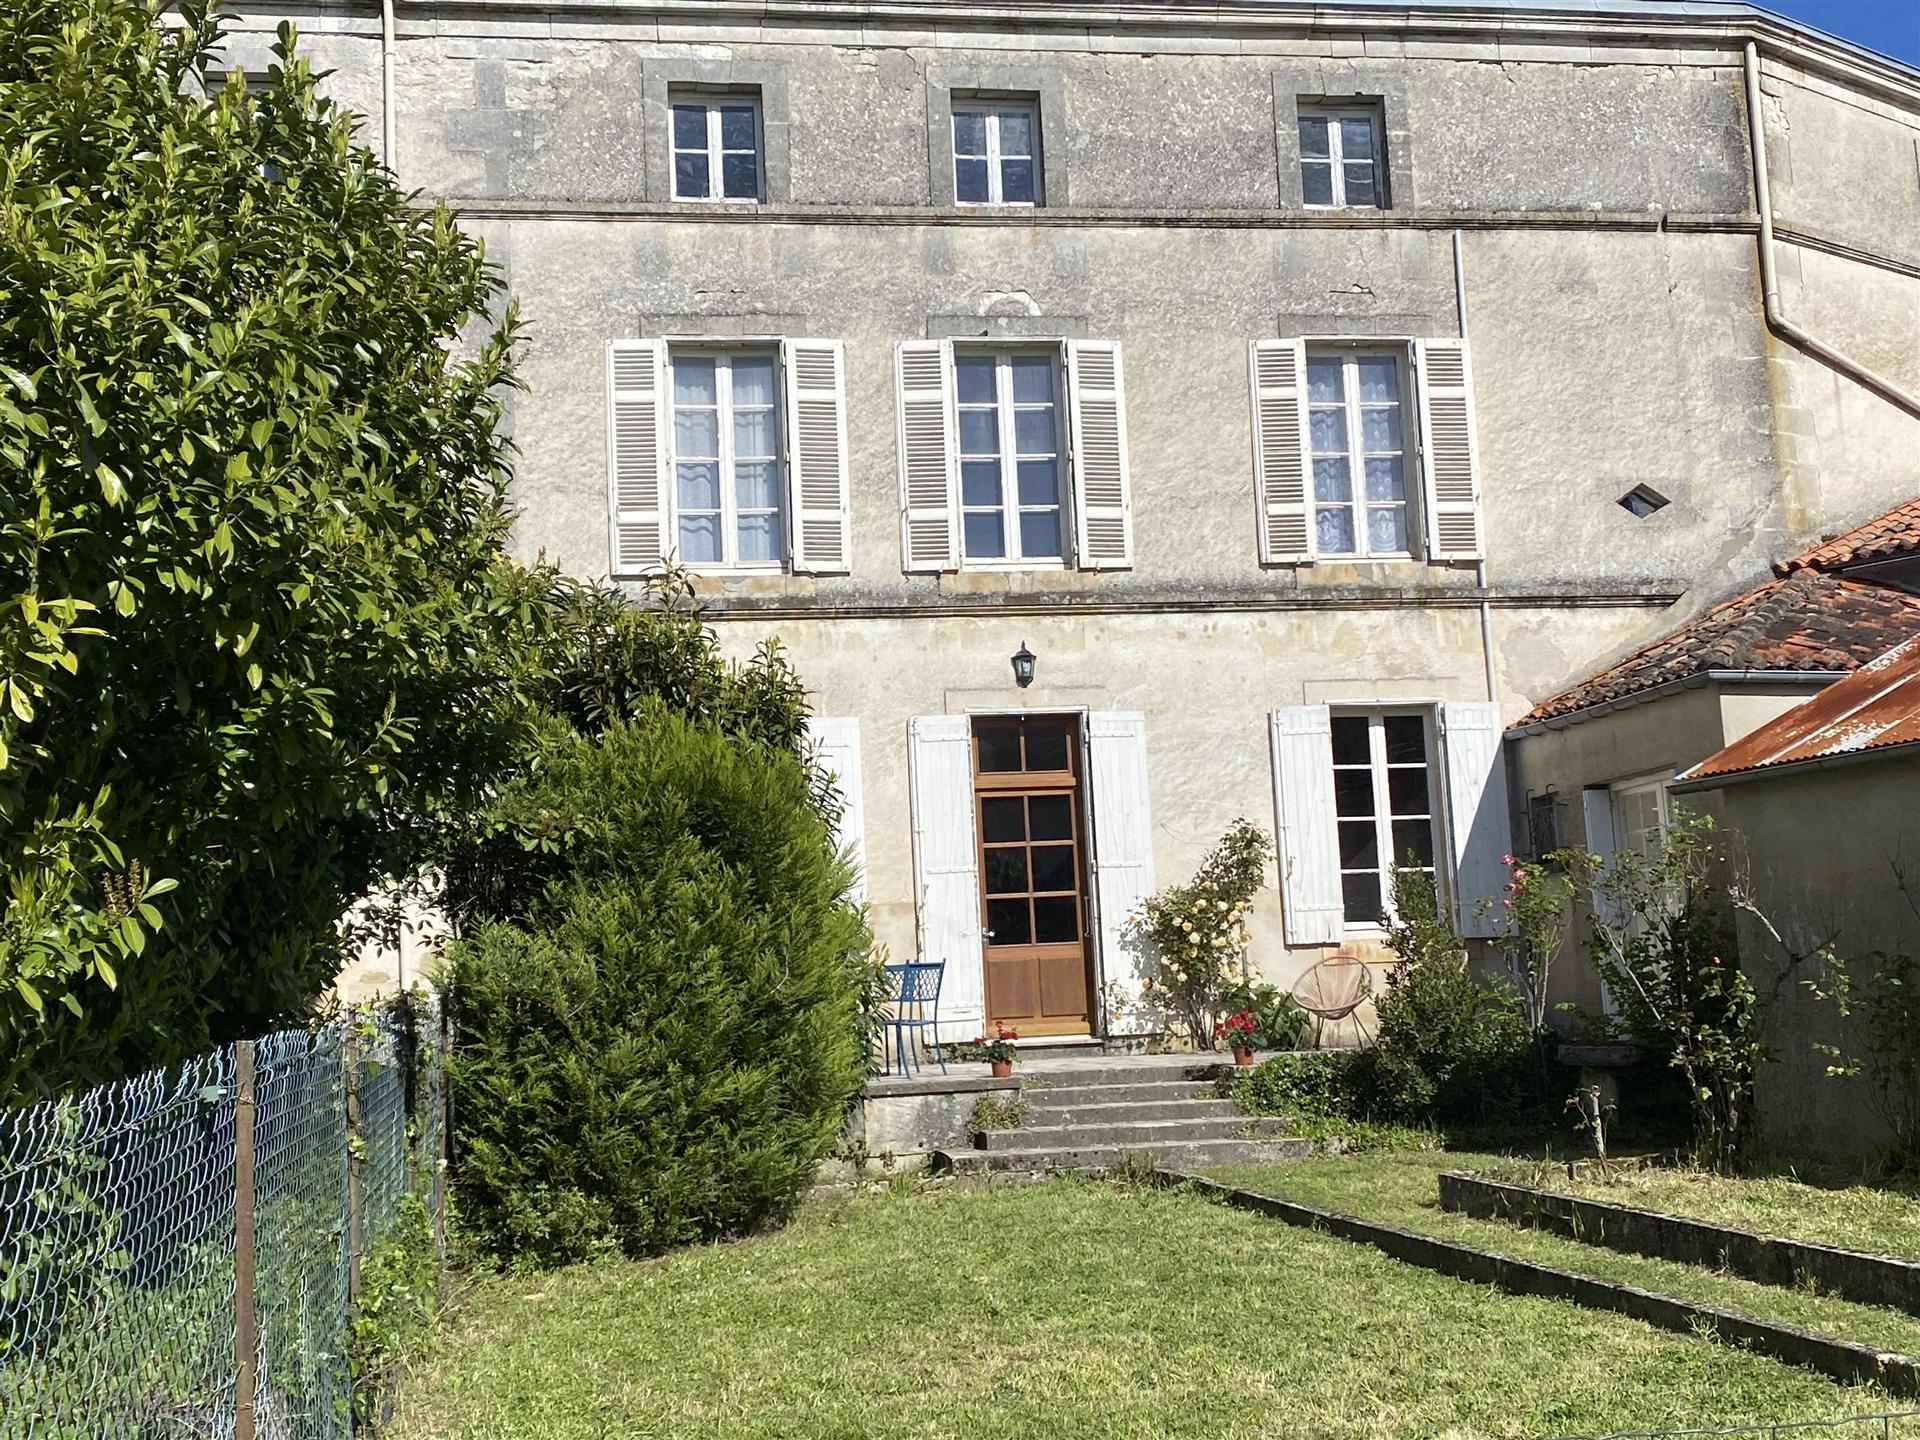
[1480,566]
[389,122]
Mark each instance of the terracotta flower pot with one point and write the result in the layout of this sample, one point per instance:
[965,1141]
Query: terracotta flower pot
[1242,1055]
[1002,1069]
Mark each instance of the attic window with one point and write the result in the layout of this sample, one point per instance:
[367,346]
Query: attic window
[1642,501]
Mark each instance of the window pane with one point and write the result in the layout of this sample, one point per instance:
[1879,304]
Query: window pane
[1331,478]
[752,432]
[1000,815]
[1359,845]
[1329,431]
[1313,136]
[1000,752]
[1050,817]
[969,133]
[970,181]
[699,484]
[1334,529]
[1033,431]
[1406,739]
[1324,386]
[1387,529]
[1353,792]
[1032,379]
[753,381]
[1040,534]
[741,174]
[1056,921]
[1009,923]
[690,177]
[1350,740]
[737,130]
[1356,139]
[700,539]
[1005,870]
[1407,790]
[1379,378]
[980,482]
[693,382]
[756,486]
[1046,749]
[973,377]
[1380,429]
[1360,895]
[696,432]
[1385,480]
[759,538]
[1415,838]
[1039,484]
[1016,182]
[1016,132]
[690,127]
[984,540]
[979,432]
[1316,183]
[1053,867]
[1360,186]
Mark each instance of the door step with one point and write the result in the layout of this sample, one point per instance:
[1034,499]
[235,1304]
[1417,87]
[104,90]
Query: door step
[1148,1133]
[1062,1097]
[1061,1158]
[1043,1110]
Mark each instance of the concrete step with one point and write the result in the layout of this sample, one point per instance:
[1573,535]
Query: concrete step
[1041,1110]
[1068,1096]
[1150,1133]
[1188,1153]
[1144,1070]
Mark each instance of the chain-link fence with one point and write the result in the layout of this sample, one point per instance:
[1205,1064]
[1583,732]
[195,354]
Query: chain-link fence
[180,1252]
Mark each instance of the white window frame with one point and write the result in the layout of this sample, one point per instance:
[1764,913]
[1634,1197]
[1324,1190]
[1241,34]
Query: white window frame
[1383,817]
[723,356]
[991,111]
[1010,507]
[1336,157]
[1622,792]
[1350,354]
[713,101]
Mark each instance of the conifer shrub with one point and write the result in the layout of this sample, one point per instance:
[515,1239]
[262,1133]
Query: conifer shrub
[659,1026]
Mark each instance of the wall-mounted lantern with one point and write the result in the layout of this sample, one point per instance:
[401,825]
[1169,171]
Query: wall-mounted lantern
[1023,666]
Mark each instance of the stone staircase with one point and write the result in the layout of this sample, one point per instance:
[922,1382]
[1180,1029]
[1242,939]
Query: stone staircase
[1085,1113]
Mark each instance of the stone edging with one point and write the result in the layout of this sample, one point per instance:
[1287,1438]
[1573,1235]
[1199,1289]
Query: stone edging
[1769,1259]
[1843,1360]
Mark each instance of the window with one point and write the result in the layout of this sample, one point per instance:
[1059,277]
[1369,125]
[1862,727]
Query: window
[1640,816]
[1359,452]
[1010,453]
[716,147]
[1383,806]
[726,458]
[996,153]
[1642,501]
[1340,152]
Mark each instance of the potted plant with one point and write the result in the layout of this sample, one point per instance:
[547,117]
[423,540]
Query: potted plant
[1237,1030]
[997,1052]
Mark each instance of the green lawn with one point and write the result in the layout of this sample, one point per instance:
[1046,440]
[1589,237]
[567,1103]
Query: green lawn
[1402,1187]
[1068,1309]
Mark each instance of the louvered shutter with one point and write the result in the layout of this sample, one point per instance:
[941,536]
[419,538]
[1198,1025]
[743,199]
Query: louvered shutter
[1308,839]
[1449,453]
[1596,809]
[836,741]
[946,883]
[1097,413]
[929,449]
[1122,843]
[636,455]
[1281,451]
[1477,820]
[817,455]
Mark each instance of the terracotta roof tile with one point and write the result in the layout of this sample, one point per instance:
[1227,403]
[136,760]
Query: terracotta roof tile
[1806,621]
[1891,536]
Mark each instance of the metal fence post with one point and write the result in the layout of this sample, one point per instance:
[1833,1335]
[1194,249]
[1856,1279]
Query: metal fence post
[246,1343]
[442,1101]
[356,1145]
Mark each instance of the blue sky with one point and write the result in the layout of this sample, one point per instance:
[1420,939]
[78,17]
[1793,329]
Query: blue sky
[1890,26]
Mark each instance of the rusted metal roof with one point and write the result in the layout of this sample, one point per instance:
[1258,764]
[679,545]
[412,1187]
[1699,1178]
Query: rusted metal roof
[1874,710]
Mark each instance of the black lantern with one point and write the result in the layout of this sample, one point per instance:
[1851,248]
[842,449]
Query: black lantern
[1023,666]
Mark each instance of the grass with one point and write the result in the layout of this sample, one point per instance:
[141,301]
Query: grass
[1067,1309]
[1402,1188]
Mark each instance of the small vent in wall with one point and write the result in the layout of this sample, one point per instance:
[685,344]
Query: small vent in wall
[1643,500]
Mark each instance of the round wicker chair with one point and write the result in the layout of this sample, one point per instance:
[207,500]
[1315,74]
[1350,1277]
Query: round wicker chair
[1334,989]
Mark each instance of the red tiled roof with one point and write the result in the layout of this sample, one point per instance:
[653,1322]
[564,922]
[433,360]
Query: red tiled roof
[1806,621]
[1891,536]
[1875,708]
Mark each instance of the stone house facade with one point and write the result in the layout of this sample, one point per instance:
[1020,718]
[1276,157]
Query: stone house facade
[1305,392]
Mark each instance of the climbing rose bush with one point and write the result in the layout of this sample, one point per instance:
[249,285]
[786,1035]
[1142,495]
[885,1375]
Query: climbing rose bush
[1199,930]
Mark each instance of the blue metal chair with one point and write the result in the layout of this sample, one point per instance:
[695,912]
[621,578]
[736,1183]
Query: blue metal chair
[916,1009]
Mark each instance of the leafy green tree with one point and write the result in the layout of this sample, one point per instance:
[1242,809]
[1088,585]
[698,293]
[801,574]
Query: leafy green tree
[258,647]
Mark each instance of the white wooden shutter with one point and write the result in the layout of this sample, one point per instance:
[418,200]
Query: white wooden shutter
[1596,808]
[1477,821]
[636,455]
[946,883]
[1281,451]
[815,372]
[1122,842]
[1449,452]
[1309,842]
[1097,414]
[929,456]
[836,742]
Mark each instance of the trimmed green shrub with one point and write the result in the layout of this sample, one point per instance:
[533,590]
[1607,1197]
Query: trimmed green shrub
[659,1042]
[1325,1095]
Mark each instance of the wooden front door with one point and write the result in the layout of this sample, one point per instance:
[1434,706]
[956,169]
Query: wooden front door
[1033,892]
